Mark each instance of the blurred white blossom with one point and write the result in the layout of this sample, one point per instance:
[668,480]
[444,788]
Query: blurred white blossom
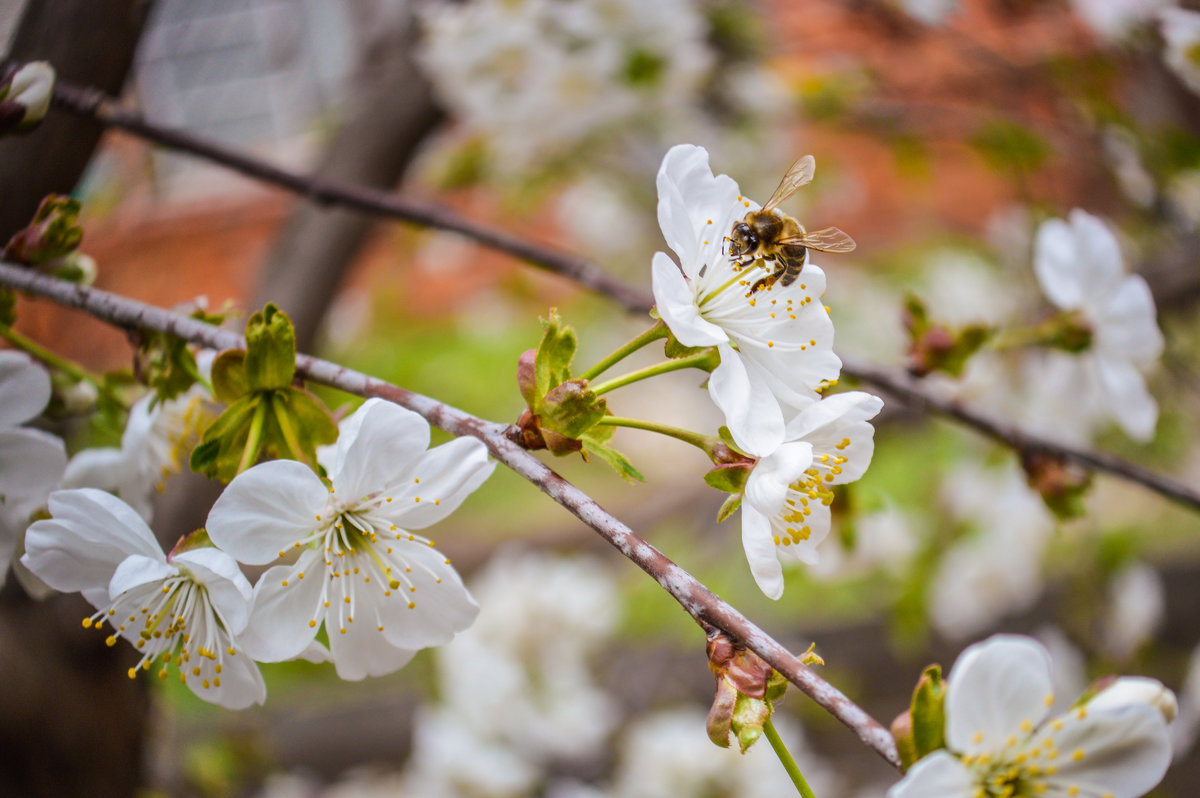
[1181,30]
[537,77]
[668,754]
[522,674]
[929,12]
[1079,265]
[995,569]
[1112,20]
[882,540]
[1136,602]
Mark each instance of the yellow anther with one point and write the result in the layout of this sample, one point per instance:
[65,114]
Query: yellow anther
[312,624]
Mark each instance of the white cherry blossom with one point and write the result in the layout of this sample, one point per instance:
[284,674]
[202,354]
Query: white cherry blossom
[776,345]
[31,461]
[1079,266]
[158,437]
[1001,742]
[382,591]
[188,606]
[785,508]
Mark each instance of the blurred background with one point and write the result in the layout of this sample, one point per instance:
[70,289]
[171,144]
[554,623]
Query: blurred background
[944,133]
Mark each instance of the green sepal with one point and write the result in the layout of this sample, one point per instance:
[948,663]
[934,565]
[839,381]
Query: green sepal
[552,363]
[615,460]
[673,349]
[729,478]
[229,381]
[571,409]
[749,715]
[727,438]
[223,445]
[777,685]
[729,507]
[929,712]
[270,349]
[297,424]
[901,730]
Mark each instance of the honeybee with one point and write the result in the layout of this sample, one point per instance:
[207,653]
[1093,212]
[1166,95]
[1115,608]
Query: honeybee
[770,234]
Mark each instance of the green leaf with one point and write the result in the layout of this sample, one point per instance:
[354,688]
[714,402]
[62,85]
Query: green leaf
[166,364]
[270,349]
[615,460]
[554,355]
[749,715]
[302,421]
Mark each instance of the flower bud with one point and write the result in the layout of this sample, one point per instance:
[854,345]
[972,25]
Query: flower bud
[25,97]
[1132,690]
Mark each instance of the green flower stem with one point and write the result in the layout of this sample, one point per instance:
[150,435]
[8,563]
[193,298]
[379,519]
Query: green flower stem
[691,361]
[59,363]
[1065,330]
[705,442]
[657,331]
[254,438]
[785,757]
[285,426]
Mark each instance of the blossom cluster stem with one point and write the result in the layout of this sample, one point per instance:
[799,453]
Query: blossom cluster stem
[657,331]
[58,362]
[785,757]
[697,360]
[706,443]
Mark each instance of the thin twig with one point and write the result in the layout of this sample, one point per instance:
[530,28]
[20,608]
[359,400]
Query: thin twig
[96,105]
[102,108]
[701,603]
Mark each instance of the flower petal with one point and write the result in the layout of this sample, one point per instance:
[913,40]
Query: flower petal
[363,651]
[677,305]
[437,607]
[228,590]
[760,552]
[382,441]
[1127,325]
[88,535]
[279,627]
[997,689]
[267,509]
[1123,391]
[767,485]
[1057,265]
[31,464]
[751,411]
[1122,752]
[138,570]
[241,684]
[939,775]
[24,388]
[441,479]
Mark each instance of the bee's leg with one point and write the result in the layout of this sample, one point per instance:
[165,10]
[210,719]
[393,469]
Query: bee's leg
[763,282]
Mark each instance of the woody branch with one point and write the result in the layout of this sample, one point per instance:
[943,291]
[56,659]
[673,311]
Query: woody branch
[697,600]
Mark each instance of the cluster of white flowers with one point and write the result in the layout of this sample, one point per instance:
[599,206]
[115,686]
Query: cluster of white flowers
[776,356]
[352,559]
[31,461]
[536,77]
[1002,740]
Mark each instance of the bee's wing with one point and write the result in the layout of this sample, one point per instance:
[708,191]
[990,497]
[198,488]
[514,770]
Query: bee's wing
[829,239]
[800,174]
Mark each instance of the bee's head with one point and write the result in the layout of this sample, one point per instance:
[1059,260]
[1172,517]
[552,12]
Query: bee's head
[742,240]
